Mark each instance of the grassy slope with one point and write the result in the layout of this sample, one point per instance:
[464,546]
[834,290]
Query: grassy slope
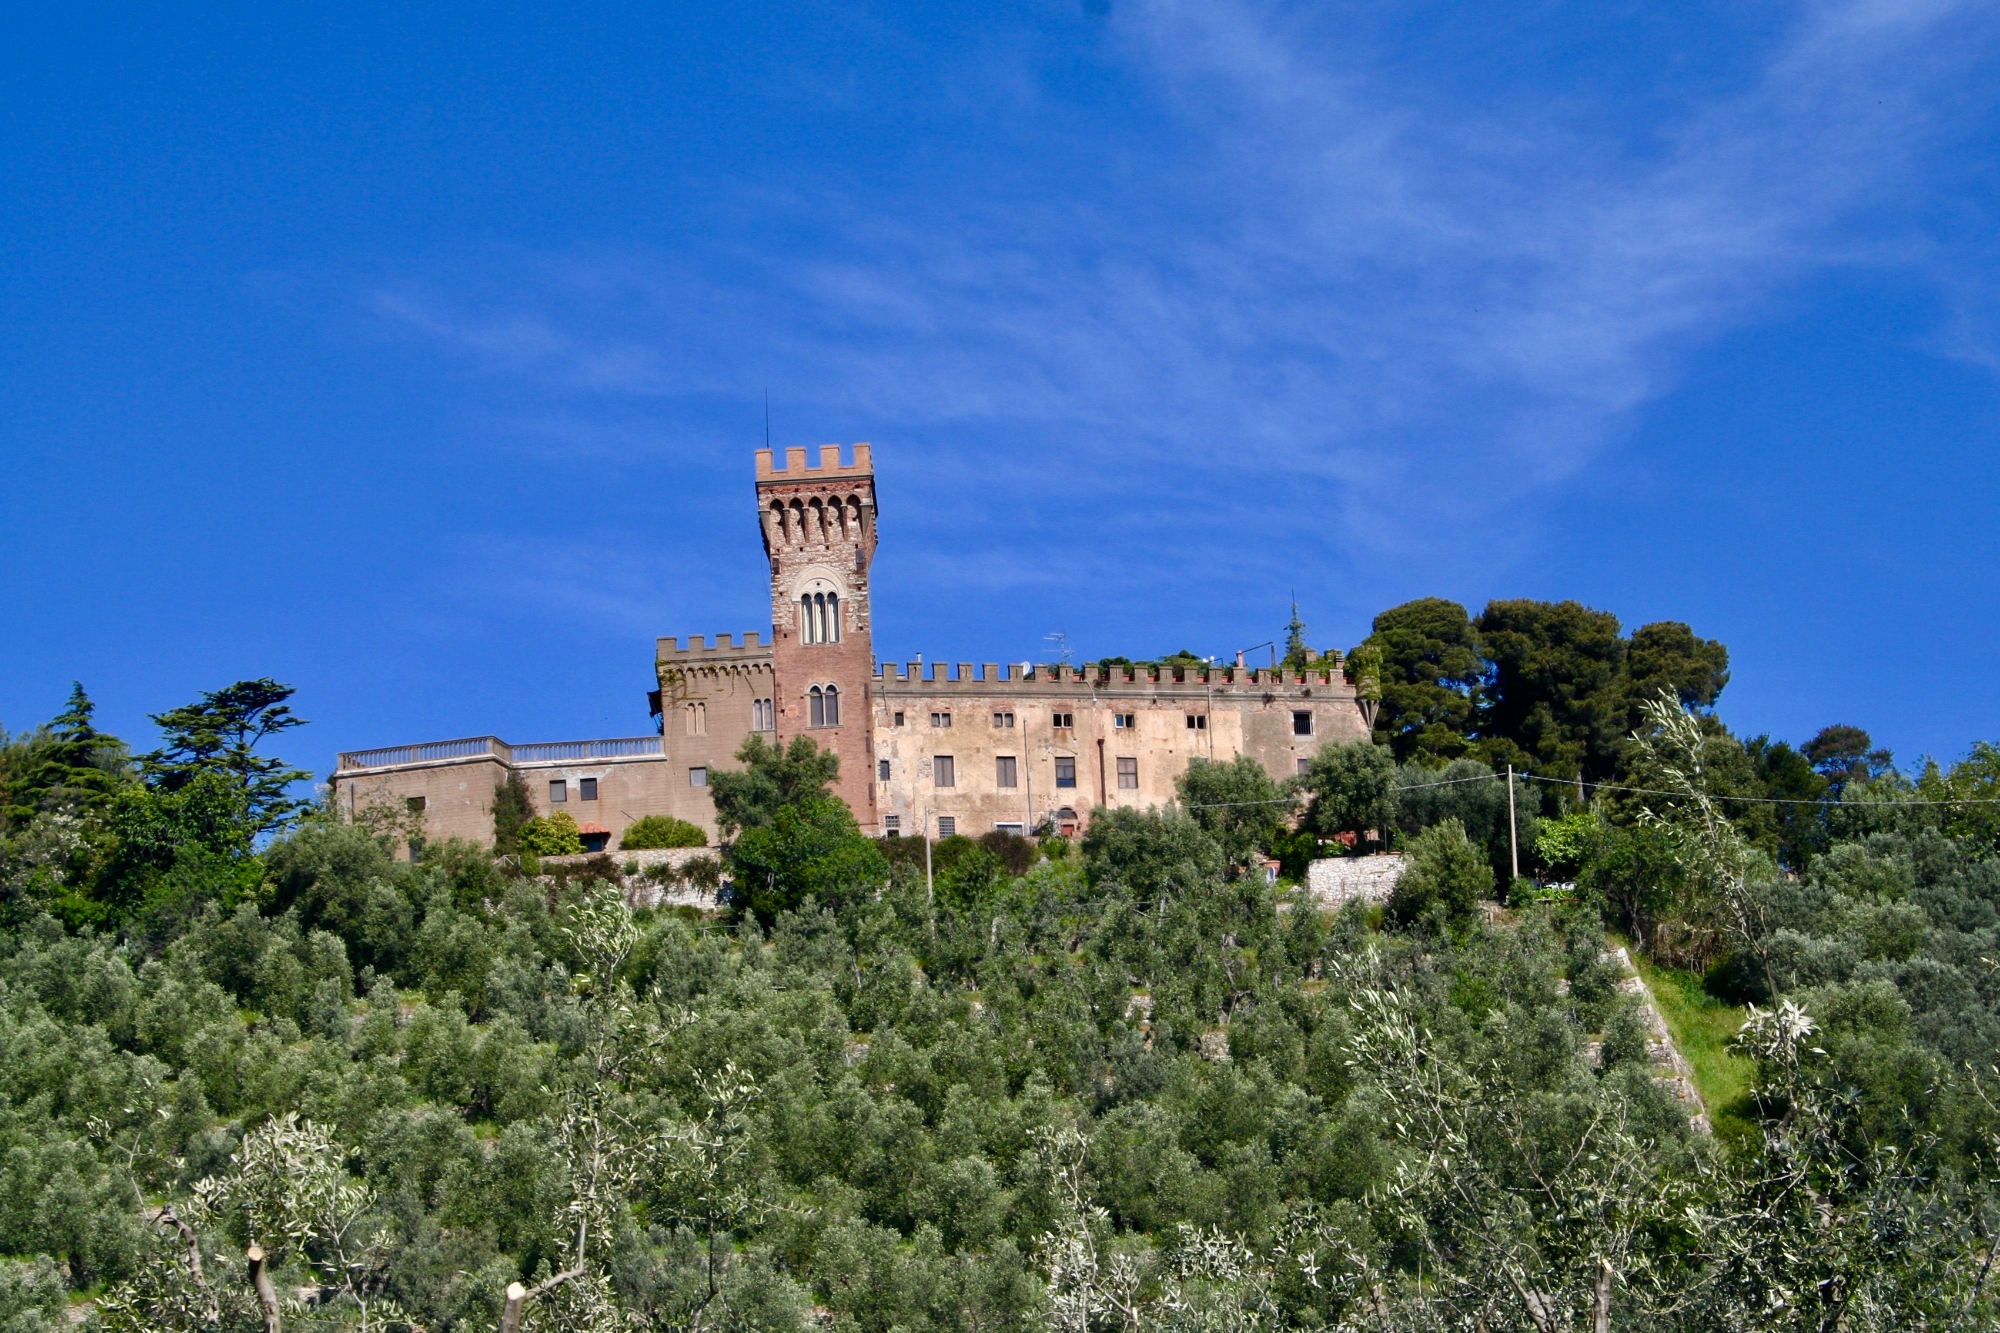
[1702,1026]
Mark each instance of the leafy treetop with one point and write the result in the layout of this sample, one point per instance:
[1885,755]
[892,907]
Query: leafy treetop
[220,734]
[772,777]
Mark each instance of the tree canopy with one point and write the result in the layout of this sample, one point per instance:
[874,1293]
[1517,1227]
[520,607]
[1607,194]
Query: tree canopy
[1550,686]
[219,734]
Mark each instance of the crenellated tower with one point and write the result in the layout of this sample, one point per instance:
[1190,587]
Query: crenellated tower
[819,534]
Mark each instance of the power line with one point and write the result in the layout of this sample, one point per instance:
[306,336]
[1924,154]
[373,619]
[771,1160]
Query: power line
[1637,791]
[1756,800]
[1411,786]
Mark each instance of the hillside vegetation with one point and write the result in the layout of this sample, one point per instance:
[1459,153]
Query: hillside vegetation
[1120,1084]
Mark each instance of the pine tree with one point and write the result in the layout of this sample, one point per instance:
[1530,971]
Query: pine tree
[220,734]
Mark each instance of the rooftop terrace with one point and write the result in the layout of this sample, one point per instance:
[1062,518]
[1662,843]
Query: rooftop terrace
[474,747]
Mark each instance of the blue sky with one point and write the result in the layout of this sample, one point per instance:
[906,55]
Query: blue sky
[415,355]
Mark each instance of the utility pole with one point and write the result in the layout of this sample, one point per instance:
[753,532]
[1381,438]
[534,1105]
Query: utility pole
[1513,825]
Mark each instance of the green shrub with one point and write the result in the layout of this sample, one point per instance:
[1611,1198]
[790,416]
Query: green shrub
[656,831]
[1444,869]
[551,835]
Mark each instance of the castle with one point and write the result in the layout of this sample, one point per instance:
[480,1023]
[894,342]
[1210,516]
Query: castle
[924,750]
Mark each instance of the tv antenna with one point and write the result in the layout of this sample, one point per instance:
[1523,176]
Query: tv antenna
[767,418]
[1060,642]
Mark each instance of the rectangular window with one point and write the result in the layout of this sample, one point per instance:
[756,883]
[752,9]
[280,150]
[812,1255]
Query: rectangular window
[882,770]
[947,827]
[1014,829]
[586,789]
[1003,770]
[1003,719]
[1123,721]
[898,720]
[1065,771]
[1305,767]
[1302,723]
[697,777]
[1062,721]
[1128,773]
[558,792]
[940,719]
[892,825]
[414,804]
[1197,722]
[943,772]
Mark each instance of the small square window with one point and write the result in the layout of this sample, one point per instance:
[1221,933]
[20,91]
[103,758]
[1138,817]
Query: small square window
[558,792]
[940,719]
[1128,773]
[947,827]
[1197,722]
[414,804]
[1003,719]
[1302,723]
[898,722]
[1305,767]
[1123,721]
[1062,721]
[586,789]
[943,772]
[697,777]
[1003,771]
[882,770]
[1065,771]
[892,825]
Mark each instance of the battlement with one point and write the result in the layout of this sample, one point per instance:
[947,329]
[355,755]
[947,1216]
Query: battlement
[698,647]
[828,468]
[1026,677]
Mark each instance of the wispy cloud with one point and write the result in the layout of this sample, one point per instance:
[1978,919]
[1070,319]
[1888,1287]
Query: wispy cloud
[1334,301]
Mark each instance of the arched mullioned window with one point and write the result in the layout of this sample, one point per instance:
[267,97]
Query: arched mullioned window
[819,617]
[823,705]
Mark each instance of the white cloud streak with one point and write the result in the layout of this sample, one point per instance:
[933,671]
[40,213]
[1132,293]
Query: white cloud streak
[1332,302]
